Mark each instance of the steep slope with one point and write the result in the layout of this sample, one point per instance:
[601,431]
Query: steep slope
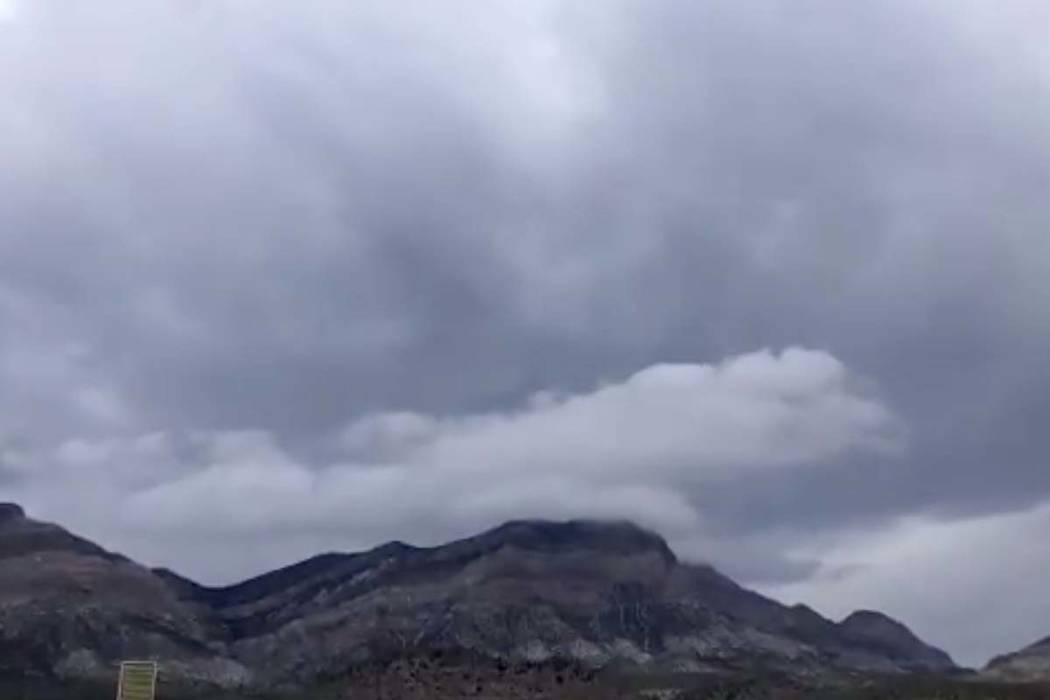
[70,608]
[1029,664]
[595,593]
[598,593]
[876,635]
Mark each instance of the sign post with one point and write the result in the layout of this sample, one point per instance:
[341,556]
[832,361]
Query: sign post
[138,680]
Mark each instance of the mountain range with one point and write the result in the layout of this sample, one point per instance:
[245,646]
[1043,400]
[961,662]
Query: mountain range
[595,594]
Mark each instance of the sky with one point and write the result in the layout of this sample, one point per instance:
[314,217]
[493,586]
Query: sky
[769,277]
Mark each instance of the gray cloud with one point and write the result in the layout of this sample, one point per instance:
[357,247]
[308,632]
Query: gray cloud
[224,219]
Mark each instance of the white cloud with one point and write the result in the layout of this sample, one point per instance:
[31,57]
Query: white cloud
[976,586]
[8,10]
[636,448]
[387,435]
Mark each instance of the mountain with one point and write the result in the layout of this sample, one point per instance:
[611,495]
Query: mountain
[883,636]
[69,608]
[596,594]
[1029,664]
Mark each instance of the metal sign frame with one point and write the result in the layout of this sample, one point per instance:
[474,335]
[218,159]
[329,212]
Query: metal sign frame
[137,680]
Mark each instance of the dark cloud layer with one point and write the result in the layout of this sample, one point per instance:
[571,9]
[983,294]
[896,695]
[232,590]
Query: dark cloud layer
[231,234]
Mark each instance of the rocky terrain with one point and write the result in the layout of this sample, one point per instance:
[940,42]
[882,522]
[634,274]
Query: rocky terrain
[586,595]
[69,608]
[1029,664]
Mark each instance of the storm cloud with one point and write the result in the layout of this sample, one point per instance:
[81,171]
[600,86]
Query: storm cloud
[768,276]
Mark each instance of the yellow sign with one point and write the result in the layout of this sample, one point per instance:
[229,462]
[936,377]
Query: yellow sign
[138,680]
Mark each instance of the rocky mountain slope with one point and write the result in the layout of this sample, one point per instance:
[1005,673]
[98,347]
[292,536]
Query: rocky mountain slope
[1029,664]
[70,608]
[596,594]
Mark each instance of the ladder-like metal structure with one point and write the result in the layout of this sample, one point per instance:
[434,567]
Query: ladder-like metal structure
[138,680]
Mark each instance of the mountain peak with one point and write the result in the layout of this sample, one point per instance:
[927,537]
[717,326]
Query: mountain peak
[10,512]
[21,535]
[869,617]
[879,631]
[874,625]
[613,536]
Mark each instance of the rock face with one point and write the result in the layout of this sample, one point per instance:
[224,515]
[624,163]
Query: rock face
[1030,664]
[593,593]
[875,634]
[69,608]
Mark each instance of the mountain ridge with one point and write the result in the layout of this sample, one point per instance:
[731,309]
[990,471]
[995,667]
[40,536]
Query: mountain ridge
[1031,663]
[595,592]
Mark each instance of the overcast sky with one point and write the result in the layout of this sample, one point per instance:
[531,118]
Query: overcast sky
[768,276]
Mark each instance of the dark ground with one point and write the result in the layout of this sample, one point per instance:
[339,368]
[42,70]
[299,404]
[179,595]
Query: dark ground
[430,678]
